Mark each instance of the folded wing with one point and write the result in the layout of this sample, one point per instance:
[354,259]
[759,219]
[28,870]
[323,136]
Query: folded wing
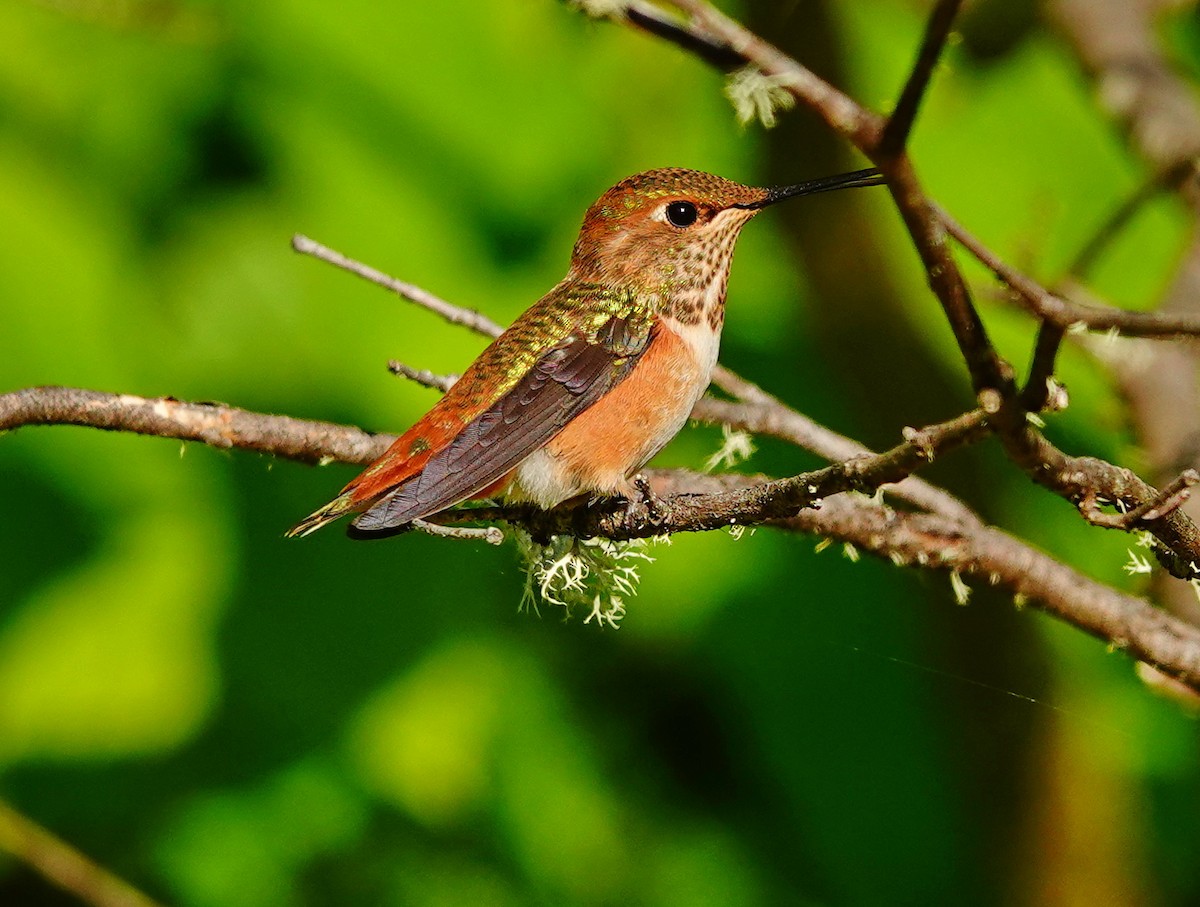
[564,382]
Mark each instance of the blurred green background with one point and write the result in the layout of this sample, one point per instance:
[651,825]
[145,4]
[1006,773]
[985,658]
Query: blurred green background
[228,718]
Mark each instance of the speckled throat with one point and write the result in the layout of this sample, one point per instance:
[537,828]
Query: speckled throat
[696,293]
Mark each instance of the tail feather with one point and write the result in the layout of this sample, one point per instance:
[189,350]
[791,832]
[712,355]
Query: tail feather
[390,515]
[335,509]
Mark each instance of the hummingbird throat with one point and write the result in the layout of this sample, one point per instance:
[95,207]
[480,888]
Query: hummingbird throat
[693,292]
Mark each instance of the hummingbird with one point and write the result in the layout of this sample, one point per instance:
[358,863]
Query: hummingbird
[594,378]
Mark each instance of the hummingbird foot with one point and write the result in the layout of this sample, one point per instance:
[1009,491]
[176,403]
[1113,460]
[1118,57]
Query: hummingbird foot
[655,506]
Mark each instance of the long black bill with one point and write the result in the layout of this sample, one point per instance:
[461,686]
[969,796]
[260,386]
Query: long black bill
[868,177]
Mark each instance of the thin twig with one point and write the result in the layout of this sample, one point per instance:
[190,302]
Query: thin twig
[1171,498]
[899,124]
[1035,395]
[64,866]
[842,114]
[1075,478]
[423,376]
[1086,258]
[651,20]
[490,534]
[1063,312]
[468,318]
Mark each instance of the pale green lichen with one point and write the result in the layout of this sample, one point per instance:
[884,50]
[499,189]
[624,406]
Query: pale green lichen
[570,573]
[737,530]
[736,447]
[757,96]
[601,9]
[962,592]
[1138,564]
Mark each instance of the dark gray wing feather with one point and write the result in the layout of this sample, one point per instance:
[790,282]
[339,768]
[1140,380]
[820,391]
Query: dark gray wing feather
[563,383]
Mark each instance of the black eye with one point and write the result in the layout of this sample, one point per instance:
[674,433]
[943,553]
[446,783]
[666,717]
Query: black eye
[682,214]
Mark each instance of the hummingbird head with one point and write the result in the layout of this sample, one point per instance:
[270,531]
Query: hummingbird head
[672,231]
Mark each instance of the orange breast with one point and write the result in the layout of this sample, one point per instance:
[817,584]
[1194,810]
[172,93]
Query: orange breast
[618,434]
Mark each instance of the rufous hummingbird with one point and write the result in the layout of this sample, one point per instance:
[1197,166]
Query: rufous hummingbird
[594,378]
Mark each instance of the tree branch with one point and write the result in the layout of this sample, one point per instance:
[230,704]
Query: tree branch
[687,510]
[1121,620]
[322,442]
[214,424]
[697,502]
[934,542]
[760,413]
[989,373]
[762,502]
